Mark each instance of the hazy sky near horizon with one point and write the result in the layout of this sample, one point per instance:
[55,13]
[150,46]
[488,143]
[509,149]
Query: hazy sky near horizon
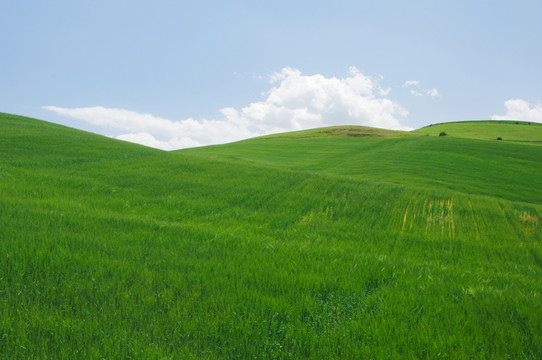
[174,74]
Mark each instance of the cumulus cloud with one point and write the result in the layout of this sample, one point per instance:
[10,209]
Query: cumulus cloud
[294,102]
[518,109]
[299,101]
[416,89]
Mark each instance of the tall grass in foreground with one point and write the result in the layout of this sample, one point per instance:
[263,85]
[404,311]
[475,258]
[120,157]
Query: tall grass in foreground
[203,256]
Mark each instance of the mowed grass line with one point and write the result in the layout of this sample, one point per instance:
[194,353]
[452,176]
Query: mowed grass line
[185,255]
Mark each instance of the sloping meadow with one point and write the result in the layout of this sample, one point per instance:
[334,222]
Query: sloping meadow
[314,248]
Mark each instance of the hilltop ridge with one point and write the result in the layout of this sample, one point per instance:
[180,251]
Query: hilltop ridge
[340,131]
[506,130]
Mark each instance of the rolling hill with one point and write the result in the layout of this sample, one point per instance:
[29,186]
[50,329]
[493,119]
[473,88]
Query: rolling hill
[508,131]
[337,243]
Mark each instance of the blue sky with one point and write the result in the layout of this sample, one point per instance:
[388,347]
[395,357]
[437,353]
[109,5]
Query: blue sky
[175,74]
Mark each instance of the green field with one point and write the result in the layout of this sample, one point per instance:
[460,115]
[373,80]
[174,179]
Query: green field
[508,131]
[348,243]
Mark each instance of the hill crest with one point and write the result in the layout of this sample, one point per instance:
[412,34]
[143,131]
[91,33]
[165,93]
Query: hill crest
[506,130]
[339,131]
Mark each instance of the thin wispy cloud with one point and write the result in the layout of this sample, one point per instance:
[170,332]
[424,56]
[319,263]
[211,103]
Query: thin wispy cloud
[518,109]
[416,89]
[294,102]
[433,92]
[411,83]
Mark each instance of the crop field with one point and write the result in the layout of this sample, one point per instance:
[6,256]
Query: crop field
[324,245]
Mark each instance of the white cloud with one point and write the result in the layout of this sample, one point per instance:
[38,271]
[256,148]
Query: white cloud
[304,101]
[433,92]
[169,144]
[119,119]
[295,102]
[153,131]
[418,90]
[518,109]
[384,92]
[409,83]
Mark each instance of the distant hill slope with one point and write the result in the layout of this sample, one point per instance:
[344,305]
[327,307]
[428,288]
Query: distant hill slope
[508,131]
[465,165]
[289,247]
[339,131]
[24,137]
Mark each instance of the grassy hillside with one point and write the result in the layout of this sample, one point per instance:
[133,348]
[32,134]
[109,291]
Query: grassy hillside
[333,247]
[339,131]
[508,171]
[509,131]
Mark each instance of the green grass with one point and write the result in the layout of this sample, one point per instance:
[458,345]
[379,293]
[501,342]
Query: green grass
[469,166]
[331,247]
[339,131]
[508,131]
